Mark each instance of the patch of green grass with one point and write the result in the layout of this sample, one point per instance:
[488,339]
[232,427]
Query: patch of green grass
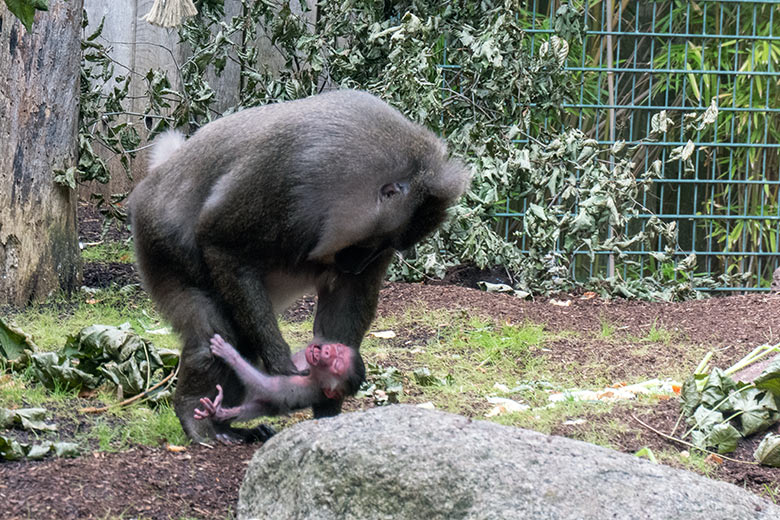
[607,329]
[602,433]
[475,355]
[658,334]
[508,343]
[119,428]
[565,334]
[545,419]
[589,374]
[50,323]
[17,390]
[297,334]
[121,252]
[694,460]
[153,427]
[510,347]
[109,437]
[420,315]
[60,394]
[772,493]
[23,390]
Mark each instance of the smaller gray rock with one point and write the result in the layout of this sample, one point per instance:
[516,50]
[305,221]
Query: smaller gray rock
[775,287]
[403,462]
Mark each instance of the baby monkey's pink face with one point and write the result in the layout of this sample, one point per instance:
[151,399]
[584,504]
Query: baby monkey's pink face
[334,358]
[329,363]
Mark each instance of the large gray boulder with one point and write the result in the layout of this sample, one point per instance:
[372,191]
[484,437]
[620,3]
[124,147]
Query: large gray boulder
[405,462]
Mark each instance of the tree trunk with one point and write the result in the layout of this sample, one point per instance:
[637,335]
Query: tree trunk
[39,90]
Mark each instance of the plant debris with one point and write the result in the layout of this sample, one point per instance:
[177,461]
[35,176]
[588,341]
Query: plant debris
[722,411]
[30,419]
[99,354]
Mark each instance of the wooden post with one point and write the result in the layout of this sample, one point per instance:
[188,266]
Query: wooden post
[39,93]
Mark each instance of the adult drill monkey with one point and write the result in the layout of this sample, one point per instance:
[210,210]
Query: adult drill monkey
[233,224]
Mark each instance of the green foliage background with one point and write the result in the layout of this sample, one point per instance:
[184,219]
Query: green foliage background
[463,69]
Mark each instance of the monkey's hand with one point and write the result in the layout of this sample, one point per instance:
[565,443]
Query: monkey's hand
[210,408]
[223,349]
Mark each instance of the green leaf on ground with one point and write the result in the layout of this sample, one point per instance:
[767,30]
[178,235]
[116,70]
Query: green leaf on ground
[14,342]
[768,452]
[718,387]
[725,437]
[11,449]
[770,378]
[757,408]
[690,395]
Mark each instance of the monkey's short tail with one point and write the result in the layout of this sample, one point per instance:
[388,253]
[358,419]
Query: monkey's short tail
[164,146]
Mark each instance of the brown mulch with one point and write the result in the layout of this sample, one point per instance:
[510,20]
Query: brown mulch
[200,482]
[726,324]
[100,275]
[93,227]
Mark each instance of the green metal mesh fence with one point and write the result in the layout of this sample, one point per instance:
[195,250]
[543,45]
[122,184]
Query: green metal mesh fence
[638,58]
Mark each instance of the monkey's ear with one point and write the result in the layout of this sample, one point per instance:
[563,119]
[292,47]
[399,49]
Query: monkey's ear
[450,184]
[394,188]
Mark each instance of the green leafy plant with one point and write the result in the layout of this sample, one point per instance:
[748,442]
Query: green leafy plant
[473,75]
[103,122]
[722,411]
[24,10]
[383,384]
[101,353]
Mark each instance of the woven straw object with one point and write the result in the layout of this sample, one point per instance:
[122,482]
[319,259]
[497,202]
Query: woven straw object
[170,13]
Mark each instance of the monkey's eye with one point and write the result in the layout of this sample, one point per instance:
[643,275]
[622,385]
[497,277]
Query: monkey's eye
[394,188]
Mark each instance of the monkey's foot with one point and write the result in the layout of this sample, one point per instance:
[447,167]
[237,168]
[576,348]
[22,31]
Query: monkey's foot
[200,431]
[229,435]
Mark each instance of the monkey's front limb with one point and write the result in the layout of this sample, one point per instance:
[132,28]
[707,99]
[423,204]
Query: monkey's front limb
[243,291]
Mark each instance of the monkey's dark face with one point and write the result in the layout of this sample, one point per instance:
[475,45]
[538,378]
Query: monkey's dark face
[355,259]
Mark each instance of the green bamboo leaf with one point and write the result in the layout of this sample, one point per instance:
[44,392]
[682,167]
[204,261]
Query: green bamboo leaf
[692,82]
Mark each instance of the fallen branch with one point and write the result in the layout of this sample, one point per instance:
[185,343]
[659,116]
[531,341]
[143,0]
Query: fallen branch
[686,443]
[146,393]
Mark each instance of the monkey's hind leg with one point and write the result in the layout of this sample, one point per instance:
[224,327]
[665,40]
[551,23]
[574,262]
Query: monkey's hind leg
[195,383]
[196,317]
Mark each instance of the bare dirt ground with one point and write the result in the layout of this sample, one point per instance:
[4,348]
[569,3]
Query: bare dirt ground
[203,482]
